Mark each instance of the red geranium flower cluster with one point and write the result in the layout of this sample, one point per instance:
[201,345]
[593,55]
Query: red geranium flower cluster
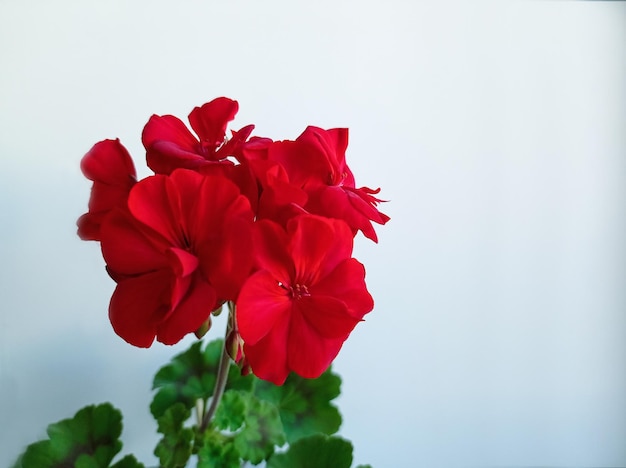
[268,225]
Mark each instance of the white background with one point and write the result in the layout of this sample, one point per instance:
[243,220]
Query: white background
[496,130]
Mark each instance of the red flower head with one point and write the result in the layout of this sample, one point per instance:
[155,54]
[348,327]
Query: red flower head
[308,294]
[316,162]
[170,145]
[270,230]
[111,169]
[180,250]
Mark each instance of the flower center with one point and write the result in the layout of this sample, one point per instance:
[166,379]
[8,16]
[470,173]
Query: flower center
[297,291]
[335,179]
[209,148]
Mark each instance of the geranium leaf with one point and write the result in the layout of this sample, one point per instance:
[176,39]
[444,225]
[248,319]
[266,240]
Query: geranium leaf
[231,412]
[129,461]
[305,404]
[190,376]
[316,451]
[88,440]
[218,451]
[174,449]
[262,430]
[236,381]
[253,430]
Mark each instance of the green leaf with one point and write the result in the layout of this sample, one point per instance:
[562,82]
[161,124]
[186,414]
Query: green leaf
[231,412]
[316,451]
[364,466]
[191,376]
[85,461]
[88,440]
[236,381]
[188,377]
[305,404]
[253,430]
[174,449]
[129,461]
[218,451]
[262,430]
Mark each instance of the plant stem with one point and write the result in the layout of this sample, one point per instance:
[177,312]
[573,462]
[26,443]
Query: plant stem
[200,404]
[220,381]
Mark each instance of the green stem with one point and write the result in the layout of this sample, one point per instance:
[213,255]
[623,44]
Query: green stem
[199,410]
[220,381]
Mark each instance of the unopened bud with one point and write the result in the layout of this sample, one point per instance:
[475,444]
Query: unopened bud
[245,367]
[205,327]
[234,346]
[217,311]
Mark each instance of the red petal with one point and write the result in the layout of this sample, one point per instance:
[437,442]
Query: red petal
[270,243]
[210,121]
[328,316]
[220,225]
[138,305]
[180,289]
[261,304]
[317,245]
[346,283]
[343,203]
[155,202]
[363,201]
[169,144]
[309,354]
[280,203]
[268,358]
[216,199]
[89,226]
[129,248]
[243,177]
[332,144]
[168,128]
[256,148]
[182,261]
[185,188]
[305,166]
[234,146]
[234,260]
[109,165]
[109,162]
[164,157]
[105,197]
[268,172]
[190,313]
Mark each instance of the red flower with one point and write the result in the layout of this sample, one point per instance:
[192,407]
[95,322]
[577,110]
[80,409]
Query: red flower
[308,294]
[111,169]
[181,249]
[180,243]
[170,145]
[316,162]
[279,200]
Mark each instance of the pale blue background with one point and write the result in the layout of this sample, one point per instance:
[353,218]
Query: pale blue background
[497,130]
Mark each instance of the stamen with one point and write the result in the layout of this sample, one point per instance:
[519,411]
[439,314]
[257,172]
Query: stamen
[299,291]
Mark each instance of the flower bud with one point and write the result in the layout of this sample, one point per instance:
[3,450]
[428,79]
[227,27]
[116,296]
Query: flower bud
[234,346]
[205,327]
